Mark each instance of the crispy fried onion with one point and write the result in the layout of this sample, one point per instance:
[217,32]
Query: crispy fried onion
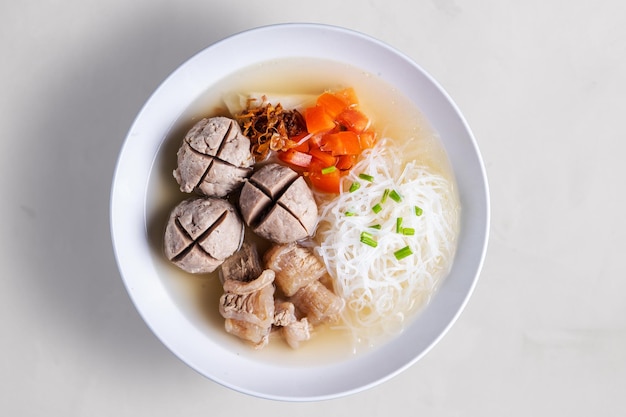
[270,128]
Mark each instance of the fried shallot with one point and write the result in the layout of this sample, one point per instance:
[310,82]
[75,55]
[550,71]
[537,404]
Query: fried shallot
[270,127]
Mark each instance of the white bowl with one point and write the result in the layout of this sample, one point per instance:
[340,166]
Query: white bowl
[135,254]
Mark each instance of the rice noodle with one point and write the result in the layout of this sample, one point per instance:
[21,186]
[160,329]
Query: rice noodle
[381,291]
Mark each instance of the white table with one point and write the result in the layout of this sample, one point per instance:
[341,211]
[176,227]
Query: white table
[542,85]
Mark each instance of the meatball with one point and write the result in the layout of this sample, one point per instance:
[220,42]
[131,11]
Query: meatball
[277,204]
[201,233]
[214,158]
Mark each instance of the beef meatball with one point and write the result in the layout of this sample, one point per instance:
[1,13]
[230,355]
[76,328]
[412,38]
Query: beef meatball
[214,158]
[201,233]
[277,204]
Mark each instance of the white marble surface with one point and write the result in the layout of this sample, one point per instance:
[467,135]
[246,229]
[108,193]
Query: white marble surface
[543,86]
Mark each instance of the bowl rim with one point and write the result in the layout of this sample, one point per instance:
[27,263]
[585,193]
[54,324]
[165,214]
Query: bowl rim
[123,224]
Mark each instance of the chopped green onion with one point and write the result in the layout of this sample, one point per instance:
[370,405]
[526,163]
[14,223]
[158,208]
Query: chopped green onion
[367,235]
[399,225]
[329,170]
[395,196]
[376,226]
[369,242]
[368,239]
[403,253]
[355,186]
[377,208]
[350,213]
[385,195]
[366,177]
[408,231]
[418,211]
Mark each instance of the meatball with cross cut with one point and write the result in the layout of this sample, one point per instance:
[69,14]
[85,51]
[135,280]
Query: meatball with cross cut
[214,158]
[201,233]
[278,205]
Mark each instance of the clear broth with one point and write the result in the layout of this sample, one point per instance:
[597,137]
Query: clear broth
[393,114]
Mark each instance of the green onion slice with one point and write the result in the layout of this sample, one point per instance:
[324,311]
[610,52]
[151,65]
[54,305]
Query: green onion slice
[367,235]
[329,170]
[366,177]
[418,211]
[399,225]
[355,186]
[395,196]
[408,231]
[403,253]
[377,208]
[385,195]
[376,226]
[368,239]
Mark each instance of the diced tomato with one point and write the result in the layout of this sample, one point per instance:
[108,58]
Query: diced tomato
[338,135]
[332,104]
[367,139]
[328,183]
[341,143]
[353,120]
[326,158]
[317,120]
[292,143]
[348,96]
[303,147]
[315,141]
[297,158]
[345,162]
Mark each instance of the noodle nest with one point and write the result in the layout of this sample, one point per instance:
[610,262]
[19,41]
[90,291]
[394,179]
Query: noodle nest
[380,290]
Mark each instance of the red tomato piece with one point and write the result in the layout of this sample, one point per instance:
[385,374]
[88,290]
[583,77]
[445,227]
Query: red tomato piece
[354,120]
[348,96]
[317,120]
[332,104]
[326,158]
[345,162]
[327,183]
[297,158]
[341,143]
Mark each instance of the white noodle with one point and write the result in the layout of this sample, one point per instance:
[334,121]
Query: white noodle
[380,290]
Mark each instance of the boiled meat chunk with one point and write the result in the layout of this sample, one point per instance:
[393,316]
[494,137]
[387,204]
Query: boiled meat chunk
[298,276]
[318,303]
[214,158]
[278,205]
[201,233]
[293,330]
[248,308]
[295,267]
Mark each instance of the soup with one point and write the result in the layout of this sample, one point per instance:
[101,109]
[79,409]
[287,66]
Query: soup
[394,116]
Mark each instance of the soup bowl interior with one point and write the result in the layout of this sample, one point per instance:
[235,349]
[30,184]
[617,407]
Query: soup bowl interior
[209,354]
